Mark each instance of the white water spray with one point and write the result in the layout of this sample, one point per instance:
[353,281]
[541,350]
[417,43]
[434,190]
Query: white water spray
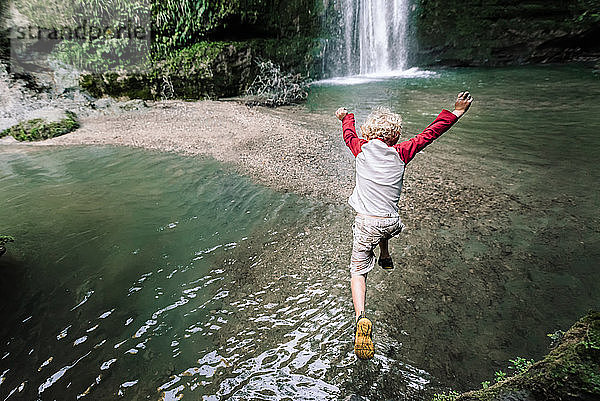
[375,37]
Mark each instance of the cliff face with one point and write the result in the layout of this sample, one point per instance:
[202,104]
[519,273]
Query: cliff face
[198,48]
[209,48]
[497,32]
[212,51]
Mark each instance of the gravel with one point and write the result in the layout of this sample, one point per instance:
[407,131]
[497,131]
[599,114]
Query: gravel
[276,148]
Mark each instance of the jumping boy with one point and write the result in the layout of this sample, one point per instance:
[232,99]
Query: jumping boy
[380,164]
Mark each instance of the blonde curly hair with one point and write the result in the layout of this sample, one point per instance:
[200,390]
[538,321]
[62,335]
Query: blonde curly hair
[381,123]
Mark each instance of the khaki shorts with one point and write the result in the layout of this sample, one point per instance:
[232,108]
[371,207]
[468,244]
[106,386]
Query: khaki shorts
[367,232]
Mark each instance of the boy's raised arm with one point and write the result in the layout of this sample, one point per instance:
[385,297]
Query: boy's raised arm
[443,122]
[349,131]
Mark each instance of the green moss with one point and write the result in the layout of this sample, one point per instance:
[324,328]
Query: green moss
[450,396]
[207,69]
[39,129]
[209,48]
[121,84]
[4,239]
[569,371]
[196,59]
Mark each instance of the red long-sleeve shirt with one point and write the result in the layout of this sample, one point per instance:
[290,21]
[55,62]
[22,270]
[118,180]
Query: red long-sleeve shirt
[407,149]
[380,168]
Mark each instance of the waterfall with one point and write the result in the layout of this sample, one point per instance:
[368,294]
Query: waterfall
[374,37]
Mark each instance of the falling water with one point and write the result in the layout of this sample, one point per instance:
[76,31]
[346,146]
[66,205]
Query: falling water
[374,34]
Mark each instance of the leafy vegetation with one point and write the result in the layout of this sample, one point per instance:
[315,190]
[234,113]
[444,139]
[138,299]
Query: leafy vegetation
[586,12]
[520,365]
[555,337]
[4,239]
[94,35]
[200,48]
[39,129]
[181,23]
[103,54]
[499,376]
[449,396]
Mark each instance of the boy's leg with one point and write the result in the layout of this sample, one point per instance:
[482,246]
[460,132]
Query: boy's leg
[358,283]
[385,260]
[383,247]
[363,340]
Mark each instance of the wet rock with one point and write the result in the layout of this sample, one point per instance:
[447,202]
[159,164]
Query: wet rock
[19,102]
[498,33]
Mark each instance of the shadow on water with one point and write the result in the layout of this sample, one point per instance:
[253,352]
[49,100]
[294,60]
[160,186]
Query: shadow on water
[13,283]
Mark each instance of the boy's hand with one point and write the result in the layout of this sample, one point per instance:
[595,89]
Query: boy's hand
[341,113]
[463,102]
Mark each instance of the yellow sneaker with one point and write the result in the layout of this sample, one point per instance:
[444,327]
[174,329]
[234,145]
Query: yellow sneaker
[363,342]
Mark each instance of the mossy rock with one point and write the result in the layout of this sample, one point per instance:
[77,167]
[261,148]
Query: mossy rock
[207,69]
[118,84]
[39,129]
[4,239]
[571,371]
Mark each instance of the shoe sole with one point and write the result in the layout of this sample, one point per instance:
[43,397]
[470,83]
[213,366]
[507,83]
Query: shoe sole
[363,344]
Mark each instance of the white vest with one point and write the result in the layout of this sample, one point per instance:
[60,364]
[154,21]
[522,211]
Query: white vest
[379,175]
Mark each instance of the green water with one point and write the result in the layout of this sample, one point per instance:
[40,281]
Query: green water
[510,272]
[537,117]
[154,276]
[118,269]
